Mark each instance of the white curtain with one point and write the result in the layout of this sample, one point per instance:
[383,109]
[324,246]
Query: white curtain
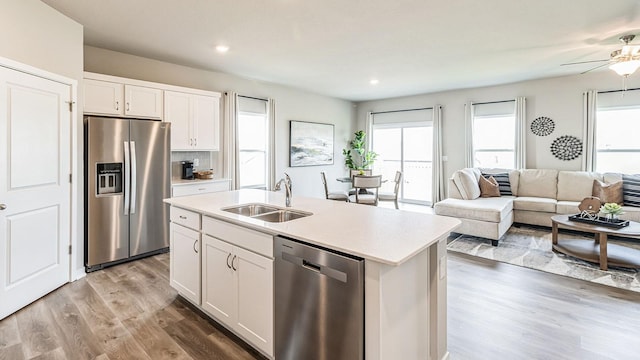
[271,171]
[468,135]
[368,129]
[589,101]
[521,133]
[231,136]
[437,190]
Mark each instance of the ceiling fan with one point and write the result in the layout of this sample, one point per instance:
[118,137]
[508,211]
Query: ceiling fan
[623,61]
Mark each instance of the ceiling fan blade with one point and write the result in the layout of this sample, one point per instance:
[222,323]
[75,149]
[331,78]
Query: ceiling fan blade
[583,62]
[593,68]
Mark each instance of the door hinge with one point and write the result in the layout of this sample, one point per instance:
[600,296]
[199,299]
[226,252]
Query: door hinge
[69,249]
[71,105]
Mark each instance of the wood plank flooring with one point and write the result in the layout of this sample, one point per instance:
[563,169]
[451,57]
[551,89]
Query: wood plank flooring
[495,311]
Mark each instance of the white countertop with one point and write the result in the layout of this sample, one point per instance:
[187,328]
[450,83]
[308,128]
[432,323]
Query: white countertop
[383,235]
[179,182]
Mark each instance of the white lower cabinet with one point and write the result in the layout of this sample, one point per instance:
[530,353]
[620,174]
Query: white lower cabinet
[237,289]
[185,261]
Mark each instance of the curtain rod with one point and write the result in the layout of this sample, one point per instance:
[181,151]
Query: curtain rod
[395,111]
[248,97]
[614,91]
[492,102]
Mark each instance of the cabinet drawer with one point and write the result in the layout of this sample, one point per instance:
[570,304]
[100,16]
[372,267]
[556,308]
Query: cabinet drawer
[183,190]
[184,217]
[237,235]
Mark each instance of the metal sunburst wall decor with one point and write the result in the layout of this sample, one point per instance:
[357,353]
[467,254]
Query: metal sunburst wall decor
[542,126]
[566,147]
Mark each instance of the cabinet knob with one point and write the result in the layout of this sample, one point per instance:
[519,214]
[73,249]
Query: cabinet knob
[183,217]
[3,206]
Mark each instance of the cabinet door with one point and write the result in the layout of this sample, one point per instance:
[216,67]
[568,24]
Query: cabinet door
[206,122]
[201,188]
[185,262]
[143,102]
[218,280]
[177,111]
[103,97]
[254,298]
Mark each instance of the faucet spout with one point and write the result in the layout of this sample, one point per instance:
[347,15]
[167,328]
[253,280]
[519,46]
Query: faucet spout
[287,187]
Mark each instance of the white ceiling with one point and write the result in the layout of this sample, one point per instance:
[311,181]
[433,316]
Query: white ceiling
[334,47]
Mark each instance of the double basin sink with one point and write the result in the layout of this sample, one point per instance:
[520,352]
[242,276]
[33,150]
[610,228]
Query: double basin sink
[266,212]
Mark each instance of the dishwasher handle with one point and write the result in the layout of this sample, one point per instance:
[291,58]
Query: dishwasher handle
[323,270]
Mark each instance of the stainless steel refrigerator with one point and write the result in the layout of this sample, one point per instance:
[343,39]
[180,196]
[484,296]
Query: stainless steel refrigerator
[127,175]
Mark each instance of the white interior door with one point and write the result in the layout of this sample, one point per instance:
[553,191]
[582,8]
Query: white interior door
[35,122]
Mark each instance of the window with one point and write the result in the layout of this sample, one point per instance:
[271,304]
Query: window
[617,146]
[253,143]
[494,135]
[403,141]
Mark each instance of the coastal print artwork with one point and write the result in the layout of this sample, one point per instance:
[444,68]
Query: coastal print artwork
[310,143]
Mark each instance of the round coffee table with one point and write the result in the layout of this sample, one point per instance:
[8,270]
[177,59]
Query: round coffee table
[598,251]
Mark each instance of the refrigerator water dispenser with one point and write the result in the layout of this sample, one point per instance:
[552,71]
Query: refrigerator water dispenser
[109,178]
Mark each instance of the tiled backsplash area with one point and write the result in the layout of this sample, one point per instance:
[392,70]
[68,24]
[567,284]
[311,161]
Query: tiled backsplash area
[208,160]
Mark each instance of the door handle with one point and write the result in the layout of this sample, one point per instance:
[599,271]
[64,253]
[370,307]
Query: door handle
[228,256]
[118,105]
[232,263]
[3,206]
[134,175]
[194,246]
[127,180]
[128,106]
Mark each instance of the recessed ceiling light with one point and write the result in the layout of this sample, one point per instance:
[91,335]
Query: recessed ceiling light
[222,48]
[374,82]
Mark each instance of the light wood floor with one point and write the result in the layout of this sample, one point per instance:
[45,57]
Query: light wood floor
[496,311]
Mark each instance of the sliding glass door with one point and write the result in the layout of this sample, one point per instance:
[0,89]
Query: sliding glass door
[405,147]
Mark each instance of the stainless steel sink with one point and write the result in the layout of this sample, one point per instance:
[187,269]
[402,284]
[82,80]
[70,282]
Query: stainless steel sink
[282,215]
[251,209]
[266,212]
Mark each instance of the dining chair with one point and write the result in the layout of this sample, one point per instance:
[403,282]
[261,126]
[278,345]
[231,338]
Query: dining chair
[333,195]
[366,182]
[387,196]
[352,173]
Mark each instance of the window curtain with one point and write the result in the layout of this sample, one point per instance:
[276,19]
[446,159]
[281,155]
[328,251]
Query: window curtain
[468,134]
[521,133]
[368,129]
[437,168]
[271,167]
[590,104]
[231,136]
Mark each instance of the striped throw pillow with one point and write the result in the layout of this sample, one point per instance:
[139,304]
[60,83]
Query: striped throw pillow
[503,182]
[631,190]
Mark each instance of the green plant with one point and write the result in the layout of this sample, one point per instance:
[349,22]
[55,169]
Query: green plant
[611,208]
[363,158]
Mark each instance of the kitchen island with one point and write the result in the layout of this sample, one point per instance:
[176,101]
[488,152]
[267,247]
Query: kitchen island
[404,259]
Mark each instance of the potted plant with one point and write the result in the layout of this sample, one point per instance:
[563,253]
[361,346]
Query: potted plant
[363,158]
[611,210]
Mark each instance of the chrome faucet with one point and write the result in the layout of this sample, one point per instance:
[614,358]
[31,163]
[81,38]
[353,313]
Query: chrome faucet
[287,187]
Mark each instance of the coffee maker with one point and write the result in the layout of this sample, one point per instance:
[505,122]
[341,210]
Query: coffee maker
[187,170]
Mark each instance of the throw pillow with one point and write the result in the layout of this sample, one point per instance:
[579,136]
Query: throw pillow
[489,187]
[608,193]
[467,184]
[631,190]
[503,182]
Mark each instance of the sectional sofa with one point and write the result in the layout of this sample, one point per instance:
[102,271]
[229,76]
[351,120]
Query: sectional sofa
[527,196]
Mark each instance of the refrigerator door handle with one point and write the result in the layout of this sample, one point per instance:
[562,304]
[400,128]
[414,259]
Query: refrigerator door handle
[127,182]
[134,177]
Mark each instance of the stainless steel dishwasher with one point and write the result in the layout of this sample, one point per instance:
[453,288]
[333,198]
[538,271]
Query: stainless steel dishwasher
[319,303]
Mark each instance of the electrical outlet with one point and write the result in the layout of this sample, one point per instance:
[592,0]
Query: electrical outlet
[196,162]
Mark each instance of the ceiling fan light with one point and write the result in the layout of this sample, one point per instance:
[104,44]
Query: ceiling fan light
[625,68]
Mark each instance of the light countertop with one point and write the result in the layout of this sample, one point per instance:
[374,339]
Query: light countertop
[178,182]
[383,235]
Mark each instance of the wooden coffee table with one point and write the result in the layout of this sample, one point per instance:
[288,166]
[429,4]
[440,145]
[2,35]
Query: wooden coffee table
[598,251]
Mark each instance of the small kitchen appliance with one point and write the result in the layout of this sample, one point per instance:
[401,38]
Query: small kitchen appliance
[187,170]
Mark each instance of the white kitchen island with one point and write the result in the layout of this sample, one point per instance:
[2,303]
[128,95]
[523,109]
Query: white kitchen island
[404,253]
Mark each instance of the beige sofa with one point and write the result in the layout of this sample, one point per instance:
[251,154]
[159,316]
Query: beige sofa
[537,194]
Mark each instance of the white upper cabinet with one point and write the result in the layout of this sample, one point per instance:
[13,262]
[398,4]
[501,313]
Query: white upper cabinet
[103,97]
[195,120]
[116,97]
[142,101]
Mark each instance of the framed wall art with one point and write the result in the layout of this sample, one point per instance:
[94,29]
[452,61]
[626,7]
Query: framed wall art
[310,143]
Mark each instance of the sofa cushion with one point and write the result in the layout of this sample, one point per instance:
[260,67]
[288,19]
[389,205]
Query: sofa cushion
[467,183]
[608,193]
[567,207]
[535,204]
[493,209]
[538,183]
[610,178]
[575,185]
[631,190]
[510,185]
[489,187]
[630,213]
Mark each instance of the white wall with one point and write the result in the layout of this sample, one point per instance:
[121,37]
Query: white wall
[558,98]
[291,104]
[39,36]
